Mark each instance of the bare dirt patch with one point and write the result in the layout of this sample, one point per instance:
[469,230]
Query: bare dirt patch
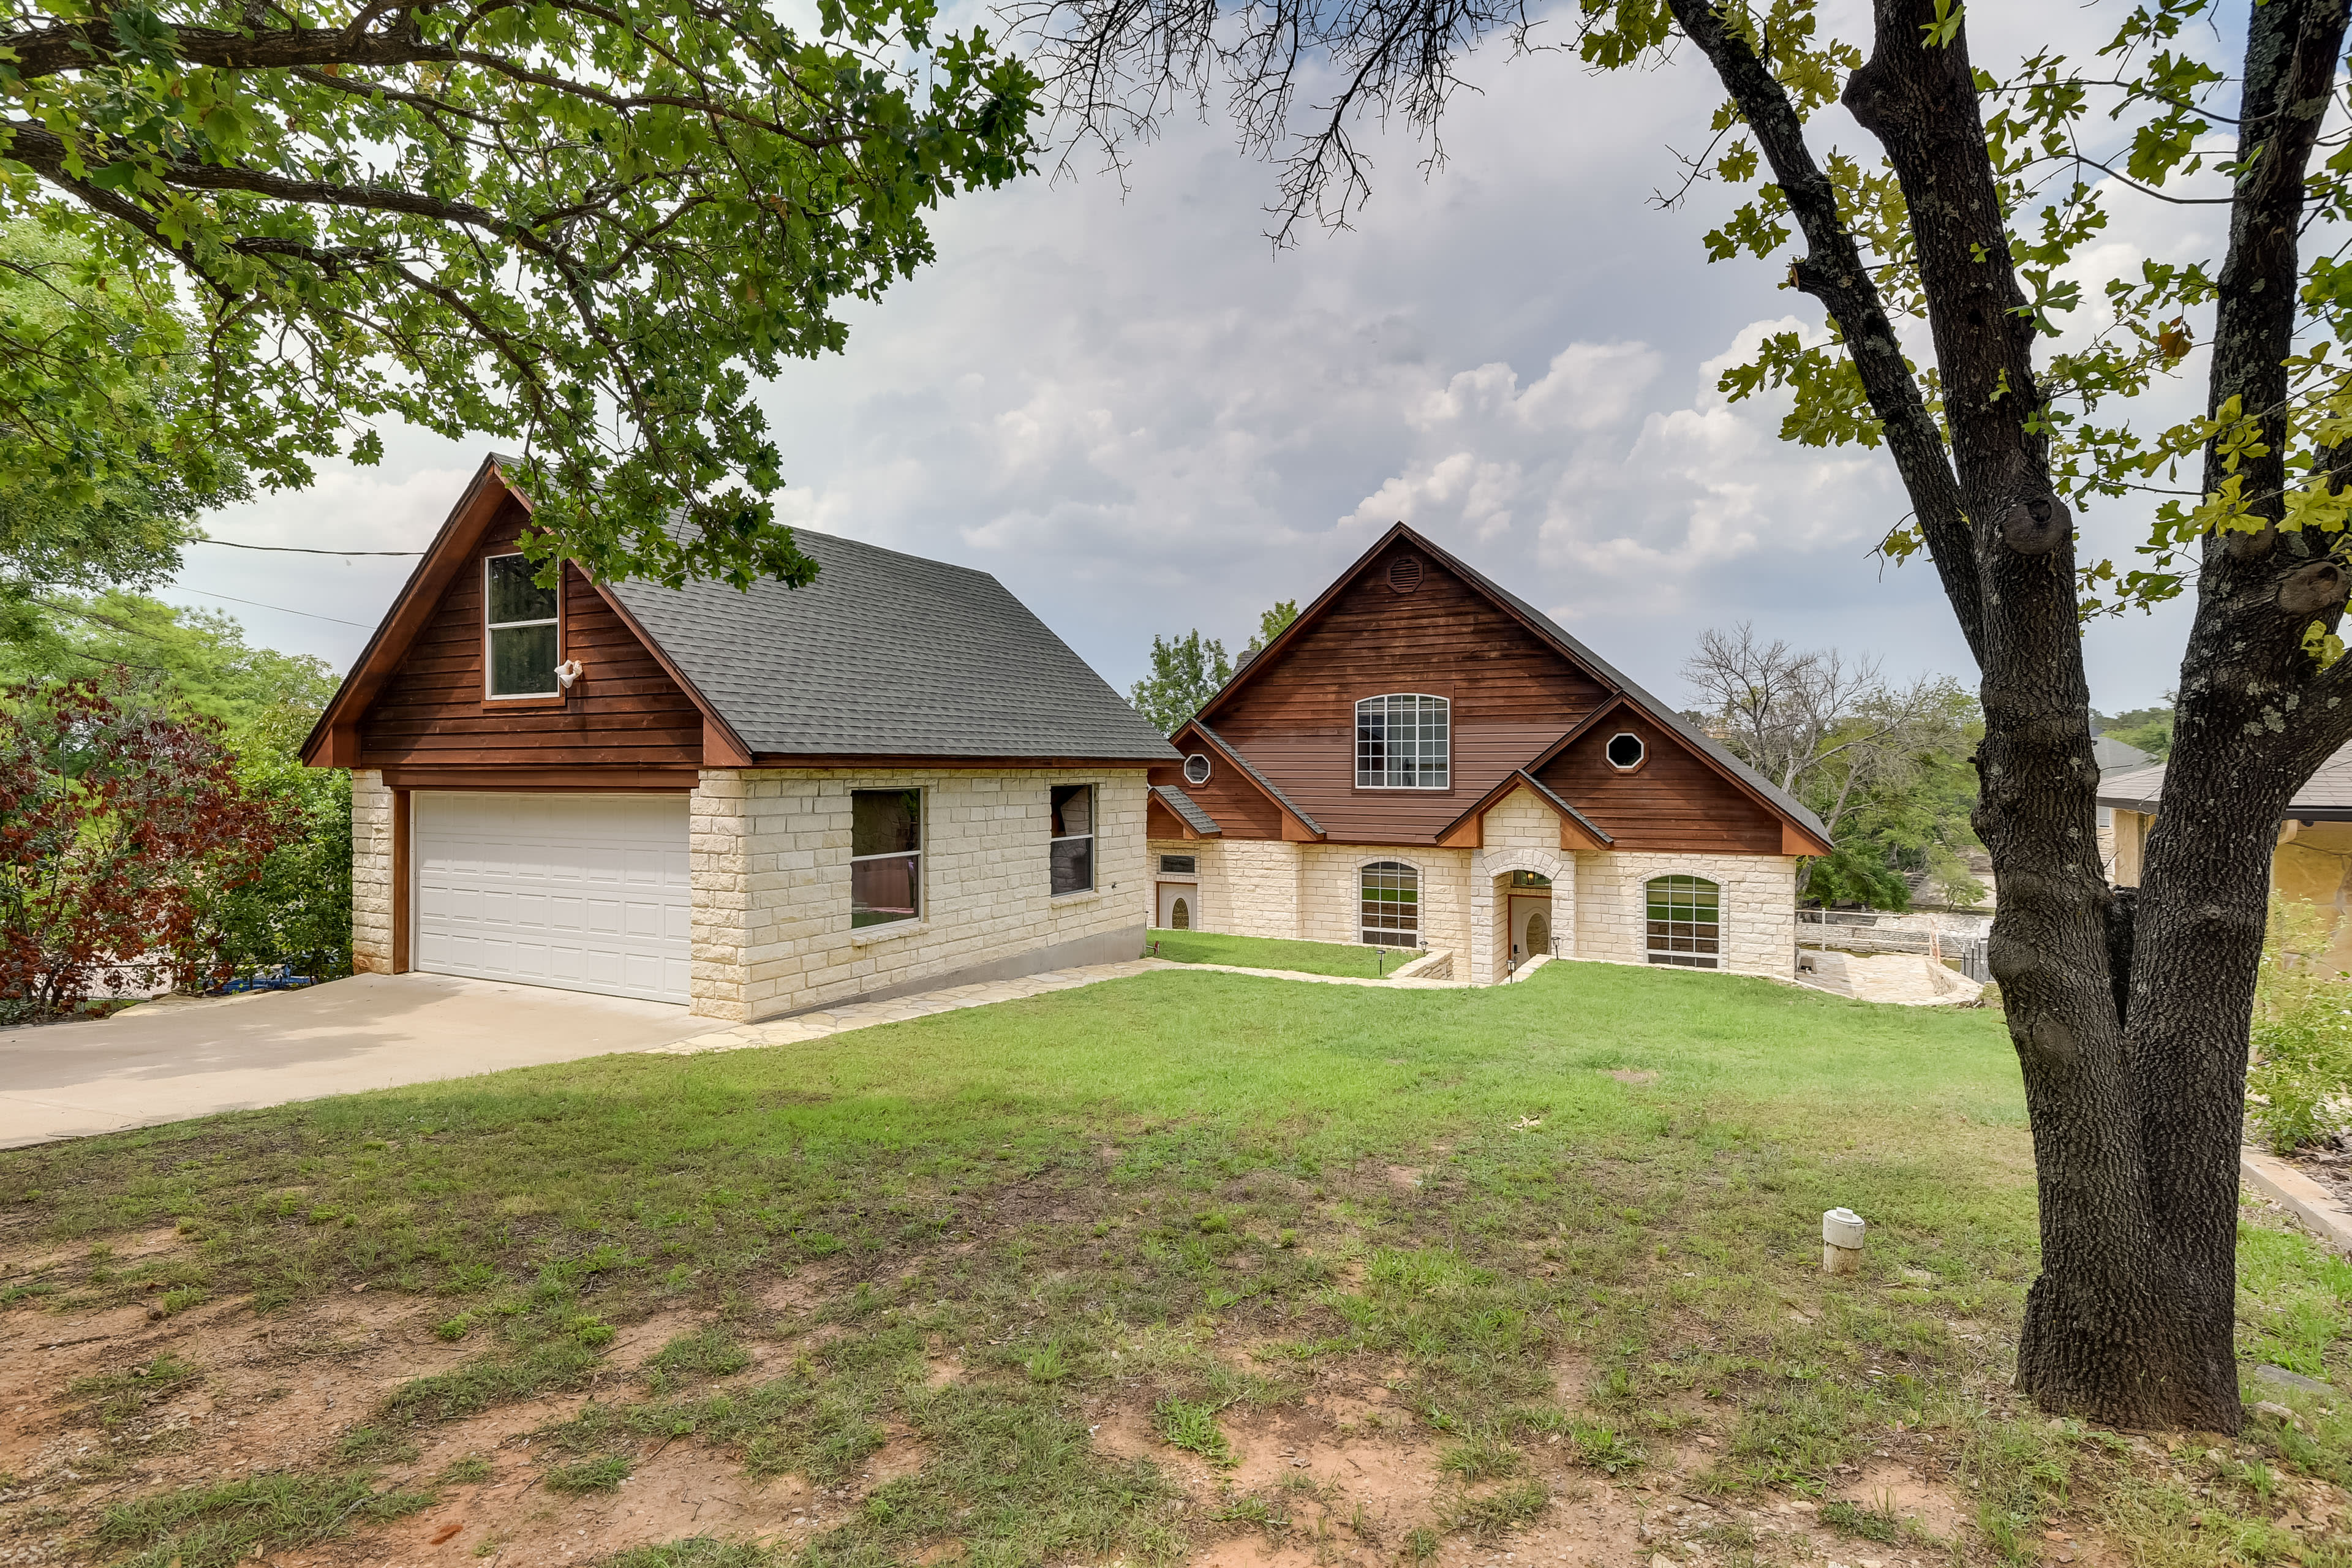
[1342,1473]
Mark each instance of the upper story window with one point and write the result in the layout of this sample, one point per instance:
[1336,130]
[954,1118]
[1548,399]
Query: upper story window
[1072,850]
[1626,751]
[1196,769]
[885,856]
[1402,742]
[518,618]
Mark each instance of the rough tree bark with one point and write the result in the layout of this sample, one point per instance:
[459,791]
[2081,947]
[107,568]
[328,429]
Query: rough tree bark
[2135,1122]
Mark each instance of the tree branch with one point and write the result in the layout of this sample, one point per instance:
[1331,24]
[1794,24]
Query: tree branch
[1833,272]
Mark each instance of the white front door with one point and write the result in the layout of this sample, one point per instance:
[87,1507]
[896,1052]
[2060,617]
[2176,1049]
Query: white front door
[1180,906]
[583,892]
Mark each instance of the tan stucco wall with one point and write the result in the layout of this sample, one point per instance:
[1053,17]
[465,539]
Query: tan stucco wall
[769,856]
[2314,867]
[371,873]
[2131,844]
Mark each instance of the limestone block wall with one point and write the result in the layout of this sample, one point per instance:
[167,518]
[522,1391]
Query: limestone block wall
[1332,903]
[1208,890]
[1760,906]
[1520,833]
[1257,889]
[769,851]
[1521,821]
[371,873]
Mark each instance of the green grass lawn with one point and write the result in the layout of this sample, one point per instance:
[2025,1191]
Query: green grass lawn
[1273,953]
[1578,1216]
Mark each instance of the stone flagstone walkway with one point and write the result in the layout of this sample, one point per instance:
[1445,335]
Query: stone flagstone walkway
[815,1025]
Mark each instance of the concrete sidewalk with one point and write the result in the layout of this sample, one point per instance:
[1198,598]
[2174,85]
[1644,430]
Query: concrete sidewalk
[174,1059]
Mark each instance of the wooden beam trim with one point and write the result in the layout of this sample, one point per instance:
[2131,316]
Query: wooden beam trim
[404,916]
[476,508]
[541,781]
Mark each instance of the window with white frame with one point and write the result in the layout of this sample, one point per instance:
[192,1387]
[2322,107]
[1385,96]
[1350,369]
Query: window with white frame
[1402,742]
[524,635]
[1196,769]
[886,856]
[1072,849]
[1686,923]
[1392,905]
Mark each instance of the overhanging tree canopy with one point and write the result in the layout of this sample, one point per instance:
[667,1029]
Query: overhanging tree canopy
[582,226]
[2129,1015]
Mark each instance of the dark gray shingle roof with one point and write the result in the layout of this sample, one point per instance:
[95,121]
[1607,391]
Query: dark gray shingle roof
[2325,797]
[1185,806]
[889,655]
[2113,756]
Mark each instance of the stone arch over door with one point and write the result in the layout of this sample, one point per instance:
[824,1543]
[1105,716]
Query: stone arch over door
[1489,908]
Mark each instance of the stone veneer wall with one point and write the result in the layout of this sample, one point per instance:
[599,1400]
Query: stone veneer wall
[370,872]
[769,850]
[1207,883]
[1520,833]
[1257,892]
[1331,882]
[1760,906]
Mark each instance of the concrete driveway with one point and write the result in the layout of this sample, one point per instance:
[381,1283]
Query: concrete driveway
[171,1059]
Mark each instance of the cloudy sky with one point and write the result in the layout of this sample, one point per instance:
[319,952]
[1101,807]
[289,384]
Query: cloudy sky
[1143,419]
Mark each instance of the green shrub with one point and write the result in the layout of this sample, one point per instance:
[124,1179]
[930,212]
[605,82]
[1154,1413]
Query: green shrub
[2299,1082]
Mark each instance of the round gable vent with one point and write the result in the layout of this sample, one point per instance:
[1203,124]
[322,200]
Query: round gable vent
[1404,574]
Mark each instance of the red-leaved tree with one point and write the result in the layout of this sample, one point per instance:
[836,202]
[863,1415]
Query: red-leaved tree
[115,819]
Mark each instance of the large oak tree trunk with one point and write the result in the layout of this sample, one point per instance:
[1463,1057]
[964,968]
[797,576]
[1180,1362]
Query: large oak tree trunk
[2129,1015]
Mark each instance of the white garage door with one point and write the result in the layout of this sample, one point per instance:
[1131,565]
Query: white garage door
[587,892]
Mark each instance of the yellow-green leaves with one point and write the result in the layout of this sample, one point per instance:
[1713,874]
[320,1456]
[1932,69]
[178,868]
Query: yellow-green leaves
[2322,643]
[1936,34]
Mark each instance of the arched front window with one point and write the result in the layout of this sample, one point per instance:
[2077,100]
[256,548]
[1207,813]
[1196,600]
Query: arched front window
[1686,923]
[1403,743]
[1392,905]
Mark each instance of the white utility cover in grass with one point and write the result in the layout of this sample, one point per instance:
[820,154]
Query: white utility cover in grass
[584,892]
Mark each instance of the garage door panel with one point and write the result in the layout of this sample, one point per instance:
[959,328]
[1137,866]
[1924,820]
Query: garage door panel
[583,892]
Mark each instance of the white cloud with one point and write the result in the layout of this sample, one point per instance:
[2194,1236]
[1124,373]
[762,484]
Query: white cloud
[1143,420]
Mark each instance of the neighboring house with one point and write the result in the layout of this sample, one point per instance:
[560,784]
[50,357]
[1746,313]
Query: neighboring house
[2311,863]
[2115,759]
[758,801]
[1424,761]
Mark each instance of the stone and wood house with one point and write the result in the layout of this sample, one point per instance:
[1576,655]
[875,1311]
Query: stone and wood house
[755,802]
[1425,761]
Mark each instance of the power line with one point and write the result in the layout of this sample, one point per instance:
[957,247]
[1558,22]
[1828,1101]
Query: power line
[303,550]
[257,605]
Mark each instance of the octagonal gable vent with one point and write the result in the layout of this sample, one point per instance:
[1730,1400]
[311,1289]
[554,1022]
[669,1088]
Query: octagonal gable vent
[1404,574]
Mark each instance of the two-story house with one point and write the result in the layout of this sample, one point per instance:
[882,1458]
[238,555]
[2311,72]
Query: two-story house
[1424,761]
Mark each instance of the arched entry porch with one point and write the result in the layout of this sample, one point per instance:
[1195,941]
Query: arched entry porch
[1523,904]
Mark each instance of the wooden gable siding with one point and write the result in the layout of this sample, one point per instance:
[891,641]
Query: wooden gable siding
[1674,801]
[625,712]
[1513,695]
[1239,808]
